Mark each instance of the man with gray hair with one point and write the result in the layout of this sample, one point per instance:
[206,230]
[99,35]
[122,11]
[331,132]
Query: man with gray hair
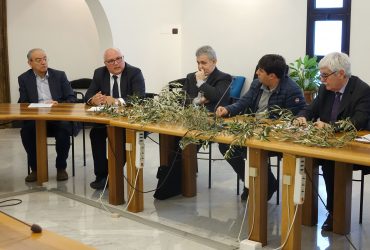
[208,85]
[41,84]
[341,96]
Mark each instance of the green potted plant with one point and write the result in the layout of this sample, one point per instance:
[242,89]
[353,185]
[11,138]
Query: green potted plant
[305,72]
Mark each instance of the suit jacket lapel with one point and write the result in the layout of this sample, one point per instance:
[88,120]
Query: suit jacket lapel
[211,76]
[34,97]
[123,85]
[52,86]
[106,83]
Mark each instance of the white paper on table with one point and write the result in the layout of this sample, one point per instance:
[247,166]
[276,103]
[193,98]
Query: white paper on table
[40,105]
[95,108]
[364,138]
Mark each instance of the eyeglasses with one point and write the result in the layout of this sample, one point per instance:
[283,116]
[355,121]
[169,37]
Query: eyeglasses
[325,76]
[113,61]
[40,60]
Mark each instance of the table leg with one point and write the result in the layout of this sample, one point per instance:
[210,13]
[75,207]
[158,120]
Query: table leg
[134,175]
[41,152]
[189,166]
[258,196]
[342,198]
[167,147]
[115,165]
[294,240]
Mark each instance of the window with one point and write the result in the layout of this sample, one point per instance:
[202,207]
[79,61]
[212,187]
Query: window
[328,26]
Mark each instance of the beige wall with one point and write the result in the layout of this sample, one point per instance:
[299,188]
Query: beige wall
[65,29]
[243,31]
[360,39]
[75,32]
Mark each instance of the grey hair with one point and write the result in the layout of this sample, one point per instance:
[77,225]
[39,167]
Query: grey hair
[207,50]
[109,49]
[336,61]
[29,54]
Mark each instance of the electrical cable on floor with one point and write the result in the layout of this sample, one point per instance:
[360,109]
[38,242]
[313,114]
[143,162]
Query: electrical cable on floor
[155,189]
[132,190]
[101,196]
[17,202]
[287,203]
[289,229]
[244,216]
[245,213]
[254,207]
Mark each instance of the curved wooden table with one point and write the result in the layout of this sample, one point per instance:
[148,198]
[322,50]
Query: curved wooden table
[17,235]
[353,153]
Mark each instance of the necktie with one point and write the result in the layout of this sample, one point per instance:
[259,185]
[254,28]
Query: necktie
[335,107]
[115,92]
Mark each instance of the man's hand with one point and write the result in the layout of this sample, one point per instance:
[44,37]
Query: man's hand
[300,121]
[51,102]
[98,99]
[320,124]
[110,100]
[221,111]
[203,100]
[200,75]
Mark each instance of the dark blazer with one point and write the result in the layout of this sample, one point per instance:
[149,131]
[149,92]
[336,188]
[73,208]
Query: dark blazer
[215,86]
[287,95]
[355,104]
[132,83]
[59,85]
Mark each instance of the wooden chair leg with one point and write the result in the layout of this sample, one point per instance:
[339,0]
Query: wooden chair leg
[209,164]
[237,185]
[361,196]
[73,155]
[83,143]
[278,180]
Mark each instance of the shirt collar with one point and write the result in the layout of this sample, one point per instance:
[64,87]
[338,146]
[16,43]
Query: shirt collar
[118,76]
[46,75]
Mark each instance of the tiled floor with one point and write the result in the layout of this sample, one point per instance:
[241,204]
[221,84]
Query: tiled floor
[211,220]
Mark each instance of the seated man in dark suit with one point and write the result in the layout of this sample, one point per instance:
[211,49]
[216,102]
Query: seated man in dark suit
[208,85]
[341,96]
[41,84]
[111,84]
[272,88]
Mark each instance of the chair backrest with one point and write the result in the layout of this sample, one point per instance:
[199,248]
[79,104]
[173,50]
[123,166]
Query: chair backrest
[236,86]
[180,81]
[82,83]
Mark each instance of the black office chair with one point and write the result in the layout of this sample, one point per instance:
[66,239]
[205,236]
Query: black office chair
[180,82]
[235,92]
[78,85]
[364,171]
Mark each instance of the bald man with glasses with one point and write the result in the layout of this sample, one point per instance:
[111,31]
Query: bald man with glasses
[112,84]
[341,96]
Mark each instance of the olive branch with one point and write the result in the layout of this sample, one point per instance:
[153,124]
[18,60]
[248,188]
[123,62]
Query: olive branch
[169,108]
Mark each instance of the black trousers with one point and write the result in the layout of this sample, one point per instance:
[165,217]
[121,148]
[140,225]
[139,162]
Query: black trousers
[237,161]
[328,175]
[98,138]
[60,130]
